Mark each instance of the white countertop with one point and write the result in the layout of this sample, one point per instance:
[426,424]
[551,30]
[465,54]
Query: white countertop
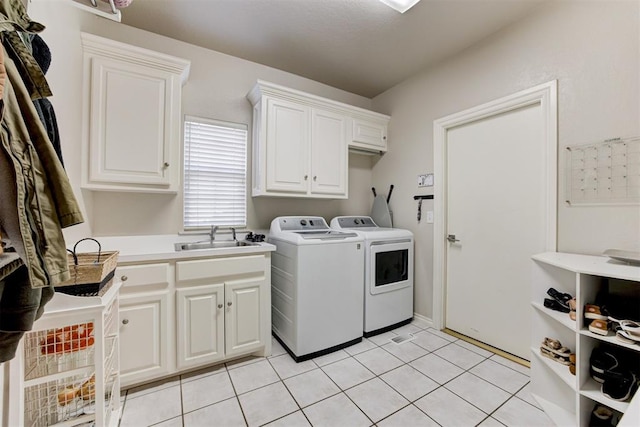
[161,247]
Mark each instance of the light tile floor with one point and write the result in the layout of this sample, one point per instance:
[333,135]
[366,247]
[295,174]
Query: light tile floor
[434,379]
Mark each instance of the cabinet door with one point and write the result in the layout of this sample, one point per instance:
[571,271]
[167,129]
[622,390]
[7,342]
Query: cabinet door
[287,160]
[369,135]
[243,331]
[144,345]
[328,153]
[130,135]
[200,325]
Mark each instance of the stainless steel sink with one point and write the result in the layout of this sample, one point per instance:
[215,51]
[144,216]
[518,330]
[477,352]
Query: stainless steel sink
[211,245]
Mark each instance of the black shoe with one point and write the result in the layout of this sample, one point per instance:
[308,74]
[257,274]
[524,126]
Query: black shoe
[555,305]
[602,364]
[619,386]
[601,416]
[561,298]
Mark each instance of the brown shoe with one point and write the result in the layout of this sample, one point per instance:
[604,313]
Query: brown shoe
[600,327]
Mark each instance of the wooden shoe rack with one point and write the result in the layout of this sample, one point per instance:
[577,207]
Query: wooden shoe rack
[569,399]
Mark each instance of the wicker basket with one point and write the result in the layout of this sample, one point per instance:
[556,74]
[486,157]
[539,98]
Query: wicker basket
[90,271]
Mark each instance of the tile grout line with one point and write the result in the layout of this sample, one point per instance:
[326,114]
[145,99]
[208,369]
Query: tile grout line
[354,356]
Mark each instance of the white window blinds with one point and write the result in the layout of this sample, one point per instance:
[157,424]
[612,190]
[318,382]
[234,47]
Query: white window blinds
[215,168]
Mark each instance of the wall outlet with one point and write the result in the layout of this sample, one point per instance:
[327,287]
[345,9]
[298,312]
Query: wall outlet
[425,180]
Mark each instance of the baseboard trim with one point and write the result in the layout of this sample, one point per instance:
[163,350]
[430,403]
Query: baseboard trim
[424,319]
[487,347]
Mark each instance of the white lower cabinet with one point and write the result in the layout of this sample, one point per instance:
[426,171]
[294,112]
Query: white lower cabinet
[570,399]
[180,315]
[144,329]
[243,325]
[200,325]
[221,308]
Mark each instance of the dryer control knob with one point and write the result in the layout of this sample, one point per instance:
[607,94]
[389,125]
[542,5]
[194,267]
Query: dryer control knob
[303,222]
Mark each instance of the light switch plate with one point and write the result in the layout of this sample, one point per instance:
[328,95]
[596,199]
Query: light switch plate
[429,217]
[425,180]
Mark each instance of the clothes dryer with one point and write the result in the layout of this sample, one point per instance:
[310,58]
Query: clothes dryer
[388,278]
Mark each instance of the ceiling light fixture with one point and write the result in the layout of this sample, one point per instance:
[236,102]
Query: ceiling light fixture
[400,5]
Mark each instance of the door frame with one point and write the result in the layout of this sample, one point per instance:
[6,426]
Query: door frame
[545,95]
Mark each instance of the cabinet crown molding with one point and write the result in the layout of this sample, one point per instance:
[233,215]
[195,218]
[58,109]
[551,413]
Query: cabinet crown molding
[92,44]
[264,88]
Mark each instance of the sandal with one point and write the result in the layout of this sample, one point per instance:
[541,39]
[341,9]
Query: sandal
[572,308]
[562,298]
[555,305]
[626,337]
[554,346]
[600,327]
[592,311]
[629,326]
[551,355]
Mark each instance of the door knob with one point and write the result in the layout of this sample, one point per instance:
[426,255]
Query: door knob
[125,321]
[229,303]
[452,238]
[219,305]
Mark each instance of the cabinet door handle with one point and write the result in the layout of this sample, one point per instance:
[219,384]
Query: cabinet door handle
[166,164]
[229,303]
[315,177]
[124,278]
[125,321]
[306,177]
[219,305]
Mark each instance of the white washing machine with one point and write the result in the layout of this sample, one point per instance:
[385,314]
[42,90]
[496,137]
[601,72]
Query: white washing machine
[388,278]
[317,277]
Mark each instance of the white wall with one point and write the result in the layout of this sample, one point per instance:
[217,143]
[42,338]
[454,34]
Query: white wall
[216,88]
[592,48]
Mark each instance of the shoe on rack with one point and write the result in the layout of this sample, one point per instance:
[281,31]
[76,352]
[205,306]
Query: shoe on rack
[602,364]
[560,297]
[629,326]
[572,363]
[555,305]
[553,356]
[572,308]
[626,337]
[600,327]
[601,416]
[592,311]
[619,386]
[556,347]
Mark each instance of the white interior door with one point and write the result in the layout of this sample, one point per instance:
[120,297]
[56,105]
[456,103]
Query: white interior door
[497,208]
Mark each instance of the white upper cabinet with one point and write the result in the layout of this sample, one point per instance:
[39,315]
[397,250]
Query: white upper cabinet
[301,142]
[369,134]
[287,158]
[132,117]
[329,165]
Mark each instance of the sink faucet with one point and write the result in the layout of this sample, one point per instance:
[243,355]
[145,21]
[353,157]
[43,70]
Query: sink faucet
[233,233]
[212,233]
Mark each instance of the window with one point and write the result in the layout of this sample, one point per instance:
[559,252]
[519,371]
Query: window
[215,173]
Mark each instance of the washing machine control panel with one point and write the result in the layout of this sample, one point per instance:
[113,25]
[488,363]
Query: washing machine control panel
[302,223]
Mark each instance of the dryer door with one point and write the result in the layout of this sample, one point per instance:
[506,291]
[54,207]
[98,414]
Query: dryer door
[391,266]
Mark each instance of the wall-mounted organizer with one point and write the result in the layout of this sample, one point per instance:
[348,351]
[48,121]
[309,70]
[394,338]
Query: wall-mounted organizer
[604,173]
[66,370]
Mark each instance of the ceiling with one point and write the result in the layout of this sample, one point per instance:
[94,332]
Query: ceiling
[361,46]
